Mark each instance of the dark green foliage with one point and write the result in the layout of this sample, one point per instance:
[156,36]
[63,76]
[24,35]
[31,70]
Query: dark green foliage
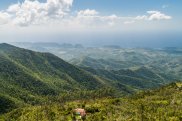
[142,78]
[6,104]
[88,94]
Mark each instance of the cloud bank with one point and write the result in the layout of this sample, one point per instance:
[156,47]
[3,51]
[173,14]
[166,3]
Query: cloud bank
[34,12]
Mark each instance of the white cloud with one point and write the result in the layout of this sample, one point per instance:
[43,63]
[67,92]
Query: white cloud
[144,17]
[32,12]
[13,8]
[153,15]
[92,18]
[87,12]
[129,22]
[4,18]
[157,15]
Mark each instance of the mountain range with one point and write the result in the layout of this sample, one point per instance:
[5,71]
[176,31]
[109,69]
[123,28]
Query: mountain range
[30,78]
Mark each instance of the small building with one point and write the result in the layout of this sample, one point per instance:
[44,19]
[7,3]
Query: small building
[79,114]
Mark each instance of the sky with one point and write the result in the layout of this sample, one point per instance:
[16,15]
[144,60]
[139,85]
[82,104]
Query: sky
[135,23]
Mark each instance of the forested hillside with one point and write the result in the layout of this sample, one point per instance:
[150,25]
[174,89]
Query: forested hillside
[28,77]
[162,104]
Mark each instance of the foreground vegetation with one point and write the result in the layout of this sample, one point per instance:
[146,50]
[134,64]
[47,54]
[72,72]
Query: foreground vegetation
[163,104]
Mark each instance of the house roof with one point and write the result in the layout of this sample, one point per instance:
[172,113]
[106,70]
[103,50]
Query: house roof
[82,112]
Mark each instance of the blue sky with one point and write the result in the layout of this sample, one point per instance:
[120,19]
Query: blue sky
[110,19]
